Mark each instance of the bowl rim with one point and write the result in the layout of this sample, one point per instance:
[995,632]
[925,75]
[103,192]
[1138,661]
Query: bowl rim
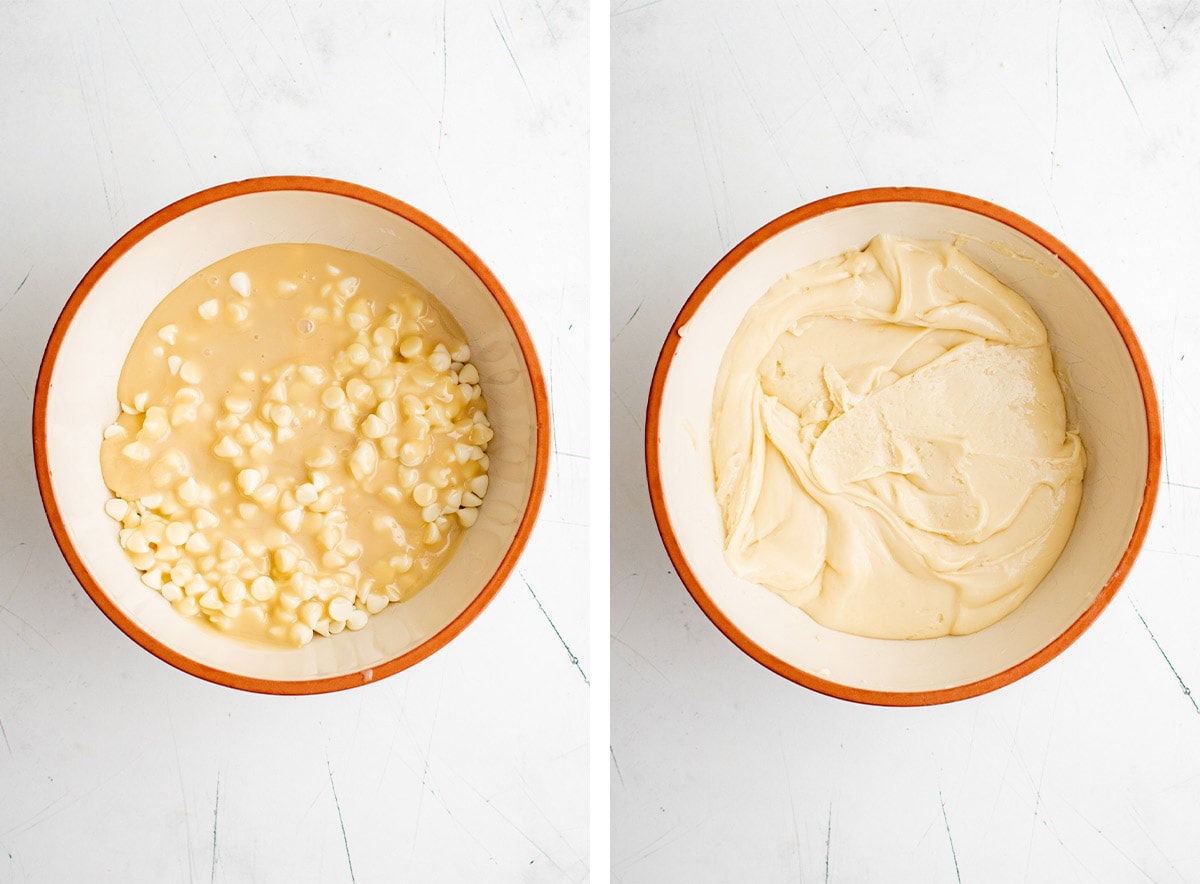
[976,206]
[335,187]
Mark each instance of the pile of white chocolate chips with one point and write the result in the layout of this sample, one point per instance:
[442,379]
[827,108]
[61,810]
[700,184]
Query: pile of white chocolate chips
[302,440]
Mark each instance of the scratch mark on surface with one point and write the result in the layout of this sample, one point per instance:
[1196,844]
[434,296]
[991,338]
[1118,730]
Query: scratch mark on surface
[87,106]
[633,607]
[16,291]
[630,319]
[341,822]
[626,10]
[617,640]
[708,174]
[187,826]
[949,837]
[11,613]
[299,32]
[830,105]
[233,105]
[16,380]
[828,839]
[904,45]
[1149,33]
[1187,692]
[1054,140]
[508,820]
[570,653]
[216,809]
[8,746]
[1124,87]
[24,570]
[508,49]
[149,85]
[661,842]
[787,784]
[1172,552]
[616,767]
[531,797]
[267,39]
[546,19]
[445,77]
[425,771]
[1182,13]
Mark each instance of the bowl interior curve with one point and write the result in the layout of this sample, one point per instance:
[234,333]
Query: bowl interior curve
[1102,381]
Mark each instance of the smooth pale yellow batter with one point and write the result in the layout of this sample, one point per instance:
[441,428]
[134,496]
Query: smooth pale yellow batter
[891,444]
[302,440]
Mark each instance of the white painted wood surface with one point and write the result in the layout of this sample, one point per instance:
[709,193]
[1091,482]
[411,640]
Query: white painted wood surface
[1079,115]
[472,766]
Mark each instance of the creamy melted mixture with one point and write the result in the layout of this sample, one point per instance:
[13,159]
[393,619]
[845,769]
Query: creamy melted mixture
[891,444]
[301,441]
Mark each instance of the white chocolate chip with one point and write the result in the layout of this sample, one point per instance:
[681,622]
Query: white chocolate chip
[262,588]
[291,519]
[248,480]
[364,460]
[266,494]
[373,427]
[233,590]
[205,519]
[227,448]
[312,374]
[439,359]
[240,283]
[197,544]
[238,405]
[177,533]
[137,451]
[300,634]
[424,494]
[188,491]
[116,508]
[190,372]
[340,608]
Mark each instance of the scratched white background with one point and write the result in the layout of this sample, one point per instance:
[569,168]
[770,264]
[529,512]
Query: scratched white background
[472,766]
[1080,115]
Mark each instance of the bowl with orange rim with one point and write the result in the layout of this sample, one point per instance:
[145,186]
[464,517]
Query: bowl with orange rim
[76,399]
[1111,392]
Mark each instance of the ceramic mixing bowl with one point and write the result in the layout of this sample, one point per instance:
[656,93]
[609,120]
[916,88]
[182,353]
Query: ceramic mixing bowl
[76,398]
[1109,382]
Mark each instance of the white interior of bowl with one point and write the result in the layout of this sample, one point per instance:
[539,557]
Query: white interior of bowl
[82,401]
[1101,378]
